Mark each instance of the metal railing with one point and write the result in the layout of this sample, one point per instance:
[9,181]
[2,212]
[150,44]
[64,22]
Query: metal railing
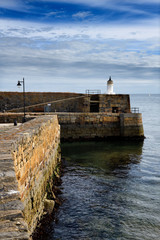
[135,110]
[93,91]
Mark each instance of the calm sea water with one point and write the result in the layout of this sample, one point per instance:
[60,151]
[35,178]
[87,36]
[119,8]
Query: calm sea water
[111,190]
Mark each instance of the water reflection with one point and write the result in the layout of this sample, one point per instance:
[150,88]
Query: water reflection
[107,156]
[97,191]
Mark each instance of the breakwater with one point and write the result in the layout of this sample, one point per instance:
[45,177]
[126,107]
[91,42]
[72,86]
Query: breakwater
[90,126]
[80,126]
[64,102]
[29,156]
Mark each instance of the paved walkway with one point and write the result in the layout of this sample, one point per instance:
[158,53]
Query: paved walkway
[12,225]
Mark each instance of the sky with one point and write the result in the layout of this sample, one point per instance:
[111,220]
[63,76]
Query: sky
[74,45]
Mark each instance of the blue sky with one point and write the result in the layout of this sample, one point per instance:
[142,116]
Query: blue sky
[74,45]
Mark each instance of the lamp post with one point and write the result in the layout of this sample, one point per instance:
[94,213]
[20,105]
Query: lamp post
[19,85]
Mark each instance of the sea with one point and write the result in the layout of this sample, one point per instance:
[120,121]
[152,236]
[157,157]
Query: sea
[111,190]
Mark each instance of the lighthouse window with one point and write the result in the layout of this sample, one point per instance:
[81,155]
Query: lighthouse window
[115,110]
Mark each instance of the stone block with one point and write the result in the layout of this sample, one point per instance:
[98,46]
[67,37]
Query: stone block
[49,206]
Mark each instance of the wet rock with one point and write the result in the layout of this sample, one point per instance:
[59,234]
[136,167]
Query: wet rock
[49,206]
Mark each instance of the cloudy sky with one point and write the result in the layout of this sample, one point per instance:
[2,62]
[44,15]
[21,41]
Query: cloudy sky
[74,45]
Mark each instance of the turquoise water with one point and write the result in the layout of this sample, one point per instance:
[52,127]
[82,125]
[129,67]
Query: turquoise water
[111,190]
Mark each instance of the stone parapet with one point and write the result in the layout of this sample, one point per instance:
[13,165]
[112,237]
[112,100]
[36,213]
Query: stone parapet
[29,155]
[78,126]
[131,125]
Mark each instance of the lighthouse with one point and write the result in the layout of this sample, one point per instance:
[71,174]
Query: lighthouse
[110,86]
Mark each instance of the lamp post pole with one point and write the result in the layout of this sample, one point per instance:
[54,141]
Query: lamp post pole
[24,100]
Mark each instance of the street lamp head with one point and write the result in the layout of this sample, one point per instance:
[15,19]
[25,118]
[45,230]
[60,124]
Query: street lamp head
[19,84]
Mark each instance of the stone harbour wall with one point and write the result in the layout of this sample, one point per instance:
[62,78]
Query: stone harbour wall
[14,100]
[131,125]
[88,126]
[64,102]
[80,126]
[29,156]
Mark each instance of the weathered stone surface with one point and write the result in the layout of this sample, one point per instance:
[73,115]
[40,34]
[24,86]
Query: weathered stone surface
[131,125]
[29,155]
[12,235]
[100,125]
[61,102]
[10,100]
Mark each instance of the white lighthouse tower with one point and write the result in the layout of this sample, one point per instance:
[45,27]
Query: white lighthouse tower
[110,86]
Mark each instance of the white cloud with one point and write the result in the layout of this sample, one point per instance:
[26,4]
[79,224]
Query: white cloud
[54,13]
[74,58]
[82,14]
[148,31]
[73,64]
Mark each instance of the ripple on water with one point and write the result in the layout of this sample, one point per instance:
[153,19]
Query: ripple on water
[100,206]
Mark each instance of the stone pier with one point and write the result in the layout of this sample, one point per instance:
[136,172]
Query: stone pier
[29,156]
[94,126]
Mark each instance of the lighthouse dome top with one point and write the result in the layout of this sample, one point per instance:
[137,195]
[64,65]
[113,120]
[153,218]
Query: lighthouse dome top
[110,81]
